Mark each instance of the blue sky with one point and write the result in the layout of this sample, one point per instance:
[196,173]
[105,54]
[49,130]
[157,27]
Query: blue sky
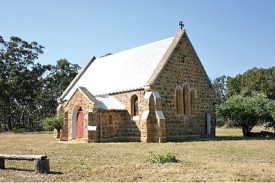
[229,36]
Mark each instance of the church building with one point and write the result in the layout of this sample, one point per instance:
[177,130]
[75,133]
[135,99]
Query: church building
[157,92]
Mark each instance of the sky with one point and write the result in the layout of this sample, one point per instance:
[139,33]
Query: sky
[229,36]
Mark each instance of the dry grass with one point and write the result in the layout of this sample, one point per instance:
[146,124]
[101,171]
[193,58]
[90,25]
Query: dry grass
[226,158]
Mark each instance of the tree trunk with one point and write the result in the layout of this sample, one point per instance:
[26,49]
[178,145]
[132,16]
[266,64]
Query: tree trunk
[9,119]
[246,131]
[9,123]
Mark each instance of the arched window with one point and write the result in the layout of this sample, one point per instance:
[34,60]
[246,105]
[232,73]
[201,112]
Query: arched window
[134,105]
[193,101]
[178,101]
[184,101]
[185,97]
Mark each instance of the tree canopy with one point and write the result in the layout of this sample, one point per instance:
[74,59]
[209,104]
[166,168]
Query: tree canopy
[246,112]
[260,80]
[220,86]
[28,90]
[247,99]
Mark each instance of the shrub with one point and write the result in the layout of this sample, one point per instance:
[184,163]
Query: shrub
[244,111]
[54,122]
[162,158]
[18,130]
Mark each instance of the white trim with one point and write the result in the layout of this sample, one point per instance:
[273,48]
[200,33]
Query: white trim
[160,115]
[156,94]
[92,128]
[135,118]
[147,95]
[144,115]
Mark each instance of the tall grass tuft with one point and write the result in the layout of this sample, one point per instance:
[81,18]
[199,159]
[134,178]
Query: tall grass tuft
[162,158]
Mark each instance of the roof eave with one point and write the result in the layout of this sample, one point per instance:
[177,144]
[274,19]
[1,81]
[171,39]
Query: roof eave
[89,62]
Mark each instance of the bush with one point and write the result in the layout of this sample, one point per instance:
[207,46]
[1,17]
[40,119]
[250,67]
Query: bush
[162,158]
[18,130]
[54,122]
[244,111]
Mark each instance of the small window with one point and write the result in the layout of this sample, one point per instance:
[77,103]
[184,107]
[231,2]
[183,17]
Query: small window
[110,120]
[134,105]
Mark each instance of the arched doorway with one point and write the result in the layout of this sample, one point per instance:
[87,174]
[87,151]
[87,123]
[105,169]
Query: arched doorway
[80,123]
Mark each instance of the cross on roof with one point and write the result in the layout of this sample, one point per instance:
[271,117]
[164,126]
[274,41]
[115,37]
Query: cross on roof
[181,25]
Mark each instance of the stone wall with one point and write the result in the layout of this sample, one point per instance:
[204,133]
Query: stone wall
[94,120]
[112,125]
[132,126]
[184,68]
[147,126]
[71,108]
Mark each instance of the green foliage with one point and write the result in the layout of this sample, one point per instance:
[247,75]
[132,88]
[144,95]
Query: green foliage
[58,78]
[245,111]
[220,86]
[18,130]
[54,122]
[28,90]
[270,118]
[19,78]
[260,80]
[162,158]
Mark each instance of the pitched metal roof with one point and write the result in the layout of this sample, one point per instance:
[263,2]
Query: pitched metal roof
[109,103]
[123,71]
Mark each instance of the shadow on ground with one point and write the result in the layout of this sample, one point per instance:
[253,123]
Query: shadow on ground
[225,138]
[28,170]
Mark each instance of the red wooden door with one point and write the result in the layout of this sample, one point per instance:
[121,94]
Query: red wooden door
[80,121]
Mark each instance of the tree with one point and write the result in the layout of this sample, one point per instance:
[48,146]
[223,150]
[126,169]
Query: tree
[55,122]
[220,86]
[260,80]
[270,118]
[55,83]
[28,90]
[245,111]
[19,80]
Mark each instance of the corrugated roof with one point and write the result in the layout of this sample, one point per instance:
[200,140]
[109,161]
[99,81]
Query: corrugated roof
[109,103]
[123,71]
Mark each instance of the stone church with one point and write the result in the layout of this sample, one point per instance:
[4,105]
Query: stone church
[157,92]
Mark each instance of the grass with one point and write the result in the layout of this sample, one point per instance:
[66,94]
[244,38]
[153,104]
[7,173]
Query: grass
[226,158]
[162,158]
